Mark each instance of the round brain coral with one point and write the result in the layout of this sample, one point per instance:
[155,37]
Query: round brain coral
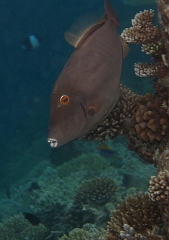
[152,120]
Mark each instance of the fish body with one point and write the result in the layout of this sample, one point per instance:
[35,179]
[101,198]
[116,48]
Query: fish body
[34,220]
[90,81]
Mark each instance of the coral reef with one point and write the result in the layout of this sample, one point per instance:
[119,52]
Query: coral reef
[89,203]
[88,232]
[118,121]
[19,228]
[152,120]
[139,217]
[97,191]
[63,206]
[159,187]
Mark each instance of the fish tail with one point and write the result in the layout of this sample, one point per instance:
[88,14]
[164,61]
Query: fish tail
[111,14]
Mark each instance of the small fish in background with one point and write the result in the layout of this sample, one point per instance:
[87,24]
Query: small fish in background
[105,150]
[33,186]
[32,42]
[31,218]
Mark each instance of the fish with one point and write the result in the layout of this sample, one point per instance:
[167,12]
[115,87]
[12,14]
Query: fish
[34,220]
[31,42]
[88,87]
[33,186]
[105,150]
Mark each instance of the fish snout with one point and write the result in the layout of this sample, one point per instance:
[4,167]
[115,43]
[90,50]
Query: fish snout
[53,142]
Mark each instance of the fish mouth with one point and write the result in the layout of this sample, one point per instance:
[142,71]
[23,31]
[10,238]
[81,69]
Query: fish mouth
[53,142]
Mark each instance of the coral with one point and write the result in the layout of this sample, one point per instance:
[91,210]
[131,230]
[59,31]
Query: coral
[150,69]
[89,202]
[155,48]
[130,233]
[152,40]
[137,214]
[118,121]
[85,162]
[142,31]
[97,191]
[19,228]
[152,120]
[159,187]
[88,232]
[163,19]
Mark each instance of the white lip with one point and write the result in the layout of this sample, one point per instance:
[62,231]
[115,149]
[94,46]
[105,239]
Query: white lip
[53,142]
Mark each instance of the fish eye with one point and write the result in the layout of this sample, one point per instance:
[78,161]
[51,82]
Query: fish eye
[64,99]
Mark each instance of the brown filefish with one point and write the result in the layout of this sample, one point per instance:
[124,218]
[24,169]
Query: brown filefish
[89,85]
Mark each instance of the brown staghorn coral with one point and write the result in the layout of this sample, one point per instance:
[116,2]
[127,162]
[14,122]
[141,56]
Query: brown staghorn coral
[163,19]
[118,121]
[159,187]
[150,69]
[139,214]
[155,48]
[152,120]
[142,31]
[152,40]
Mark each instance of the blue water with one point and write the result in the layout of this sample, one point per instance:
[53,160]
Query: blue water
[27,78]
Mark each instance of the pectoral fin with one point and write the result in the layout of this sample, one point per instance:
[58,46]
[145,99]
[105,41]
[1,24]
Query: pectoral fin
[91,111]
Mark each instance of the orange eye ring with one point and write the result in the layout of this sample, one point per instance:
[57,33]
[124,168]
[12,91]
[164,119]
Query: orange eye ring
[64,99]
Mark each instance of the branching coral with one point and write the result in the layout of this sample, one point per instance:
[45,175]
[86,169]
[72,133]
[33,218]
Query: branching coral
[150,37]
[159,187]
[118,121]
[150,69]
[136,215]
[142,30]
[163,19]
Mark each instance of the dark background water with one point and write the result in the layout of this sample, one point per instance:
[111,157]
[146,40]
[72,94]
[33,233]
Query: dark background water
[27,78]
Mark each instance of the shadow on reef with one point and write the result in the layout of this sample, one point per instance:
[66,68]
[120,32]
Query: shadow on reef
[58,154]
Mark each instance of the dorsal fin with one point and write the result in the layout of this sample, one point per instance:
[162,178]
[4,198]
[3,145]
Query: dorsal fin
[110,13]
[83,27]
